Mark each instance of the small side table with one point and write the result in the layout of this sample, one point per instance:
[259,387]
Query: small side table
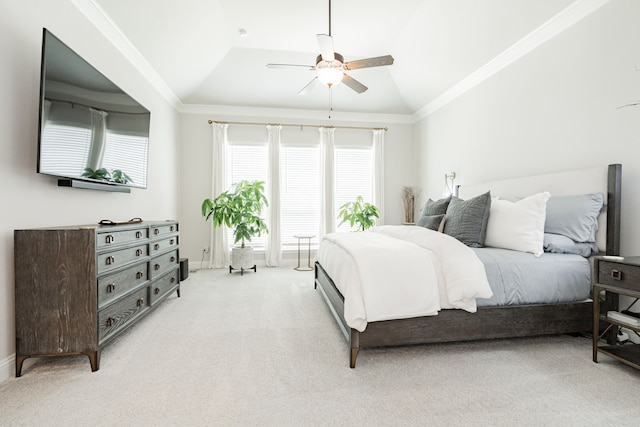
[308,267]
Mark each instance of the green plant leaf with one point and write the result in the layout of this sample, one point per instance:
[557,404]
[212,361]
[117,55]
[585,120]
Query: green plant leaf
[239,208]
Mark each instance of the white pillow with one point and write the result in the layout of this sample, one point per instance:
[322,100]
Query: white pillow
[518,226]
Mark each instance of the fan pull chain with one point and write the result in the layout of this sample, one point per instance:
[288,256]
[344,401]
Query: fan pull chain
[330,101]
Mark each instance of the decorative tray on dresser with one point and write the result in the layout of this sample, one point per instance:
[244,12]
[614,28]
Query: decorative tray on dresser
[78,287]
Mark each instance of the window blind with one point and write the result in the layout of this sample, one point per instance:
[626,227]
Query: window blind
[354,177]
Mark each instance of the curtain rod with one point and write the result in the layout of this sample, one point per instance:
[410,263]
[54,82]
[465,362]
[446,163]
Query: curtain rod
[297,125]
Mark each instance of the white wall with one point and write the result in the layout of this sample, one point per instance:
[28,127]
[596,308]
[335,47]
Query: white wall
[31,200]
[196,135]
[554,109]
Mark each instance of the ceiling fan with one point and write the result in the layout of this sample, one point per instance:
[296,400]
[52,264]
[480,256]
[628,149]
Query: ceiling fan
[330,66]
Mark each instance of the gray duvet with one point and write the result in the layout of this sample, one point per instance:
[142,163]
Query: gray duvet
[520,278]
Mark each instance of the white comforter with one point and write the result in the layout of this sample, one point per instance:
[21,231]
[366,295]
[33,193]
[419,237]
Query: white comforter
[395,272]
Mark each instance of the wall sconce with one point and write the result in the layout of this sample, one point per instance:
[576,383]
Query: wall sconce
[449,187]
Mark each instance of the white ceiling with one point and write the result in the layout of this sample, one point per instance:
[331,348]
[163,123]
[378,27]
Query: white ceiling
[195,46]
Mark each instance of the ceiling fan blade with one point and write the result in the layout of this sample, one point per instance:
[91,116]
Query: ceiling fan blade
[354,84]
[326,47]
[308,67]
[369,62]
[305,90]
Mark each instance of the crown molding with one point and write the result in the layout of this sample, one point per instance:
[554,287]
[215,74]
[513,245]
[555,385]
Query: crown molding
[569,16]
[98,17]
[225,110]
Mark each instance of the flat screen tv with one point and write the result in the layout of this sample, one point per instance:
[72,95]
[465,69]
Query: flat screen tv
[92,134]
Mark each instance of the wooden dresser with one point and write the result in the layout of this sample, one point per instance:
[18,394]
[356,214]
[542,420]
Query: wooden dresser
[78,287]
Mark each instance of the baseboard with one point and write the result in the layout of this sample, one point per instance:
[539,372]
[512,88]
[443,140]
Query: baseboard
[7,368]
[289,259]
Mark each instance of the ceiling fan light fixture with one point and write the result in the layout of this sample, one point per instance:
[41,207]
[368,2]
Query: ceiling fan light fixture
[330,76]
[330,73]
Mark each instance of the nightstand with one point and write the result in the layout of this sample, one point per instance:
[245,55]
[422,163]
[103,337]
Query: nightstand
[614,277]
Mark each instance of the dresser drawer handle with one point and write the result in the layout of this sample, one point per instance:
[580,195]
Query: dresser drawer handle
[138,234]
[156,231]
[156,246]
[172,228]
[111,321]
[173,280]
[139,275]
[109,238]
[110,260]
[138,252]
[111,287]
[172,242]
[173,259]
[156,267]
[140,302]
[156,291]
[616,274]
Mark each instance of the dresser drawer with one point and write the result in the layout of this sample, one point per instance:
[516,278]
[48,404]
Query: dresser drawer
[158,246]
[163,285]
[117,238]
[116,259]
[163,263]
[158,231]
[620,275]
[112,286]
[120,314]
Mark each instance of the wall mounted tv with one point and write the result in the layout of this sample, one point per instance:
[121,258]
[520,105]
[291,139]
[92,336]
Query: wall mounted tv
[92,134]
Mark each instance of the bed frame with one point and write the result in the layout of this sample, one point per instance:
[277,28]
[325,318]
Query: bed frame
[487,322]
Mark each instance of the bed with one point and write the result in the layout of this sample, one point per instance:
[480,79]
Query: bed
[487,320]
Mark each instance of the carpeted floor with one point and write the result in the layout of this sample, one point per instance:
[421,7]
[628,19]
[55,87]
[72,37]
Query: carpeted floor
[263,349]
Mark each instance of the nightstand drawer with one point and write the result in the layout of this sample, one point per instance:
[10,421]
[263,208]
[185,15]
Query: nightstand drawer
[620,275]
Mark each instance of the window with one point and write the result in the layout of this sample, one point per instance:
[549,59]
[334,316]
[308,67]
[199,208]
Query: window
[247,158]
[246,162]
[299,192]
[353,177]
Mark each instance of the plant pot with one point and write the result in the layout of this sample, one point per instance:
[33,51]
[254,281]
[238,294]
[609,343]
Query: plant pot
[242,258]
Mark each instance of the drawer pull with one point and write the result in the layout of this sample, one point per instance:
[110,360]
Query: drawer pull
[139,275]
[156,246]
[111,321]
[138,252]
[110,260]
[156,267]
[156,231]
[173,259]
[109,238]
[140,302]
[156,291]
[172,228]
[616,274]
[111,287]
[172,242]
[138,234]
[173,280]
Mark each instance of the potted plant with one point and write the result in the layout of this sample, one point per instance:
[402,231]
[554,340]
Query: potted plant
[239,208]
[358,212]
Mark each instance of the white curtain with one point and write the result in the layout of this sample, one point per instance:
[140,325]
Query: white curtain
[327,191]
[273,241]
[378,172]
[98,138]
[219,253]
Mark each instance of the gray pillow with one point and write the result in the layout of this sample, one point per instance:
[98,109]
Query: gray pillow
[559,244]
[431,222]
[575,217]
[466,220]
[438,207]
